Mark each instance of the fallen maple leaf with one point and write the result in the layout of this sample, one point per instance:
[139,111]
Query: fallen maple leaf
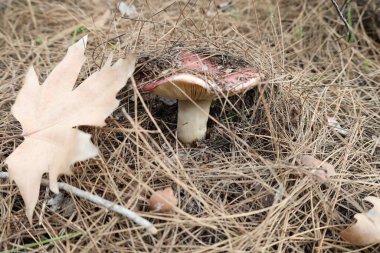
[162,201]
[323,170]
[49,112]
[366,230]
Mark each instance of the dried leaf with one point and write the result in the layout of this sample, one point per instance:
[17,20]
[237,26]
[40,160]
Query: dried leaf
[224,5]
[213,9]
[49,112]
[62,203]
[323,170]
[162,201]
[128,10]
[332,122]
[55,203]
[366,230]
[376,140]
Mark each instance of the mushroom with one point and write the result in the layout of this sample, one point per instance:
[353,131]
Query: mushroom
[195,85]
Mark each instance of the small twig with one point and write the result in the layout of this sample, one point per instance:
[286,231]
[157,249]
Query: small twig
[100,201]
[348,27]
[344,5]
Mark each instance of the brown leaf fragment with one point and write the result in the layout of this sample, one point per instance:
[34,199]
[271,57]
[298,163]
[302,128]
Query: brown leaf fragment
[366,230]
[162,200]
[48,113]
[323,170]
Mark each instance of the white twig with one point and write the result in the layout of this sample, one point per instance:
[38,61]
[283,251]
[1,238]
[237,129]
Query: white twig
[100,201]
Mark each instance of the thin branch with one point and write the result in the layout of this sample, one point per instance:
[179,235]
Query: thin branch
[100,201]
[344,5]
[348,27]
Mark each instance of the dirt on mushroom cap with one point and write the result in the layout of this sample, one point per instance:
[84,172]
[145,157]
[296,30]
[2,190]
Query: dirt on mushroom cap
[151,67]
[200,76]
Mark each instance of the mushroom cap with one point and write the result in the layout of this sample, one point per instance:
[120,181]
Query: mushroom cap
[182,87]
[198,78]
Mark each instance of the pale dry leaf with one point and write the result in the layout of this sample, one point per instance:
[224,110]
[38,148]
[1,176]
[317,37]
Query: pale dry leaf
[55,203]
[332,122]
[162,201]
[225,5]
[49,112]
[62,203]
[323,170]
[366,230]
[128,10]
[376,140]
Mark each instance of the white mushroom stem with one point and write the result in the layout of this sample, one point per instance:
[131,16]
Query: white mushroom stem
[192,120]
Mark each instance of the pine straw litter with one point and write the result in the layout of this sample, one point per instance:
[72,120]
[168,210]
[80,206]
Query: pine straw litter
[242,189]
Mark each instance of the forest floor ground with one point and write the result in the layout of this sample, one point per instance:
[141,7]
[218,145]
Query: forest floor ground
[243,188]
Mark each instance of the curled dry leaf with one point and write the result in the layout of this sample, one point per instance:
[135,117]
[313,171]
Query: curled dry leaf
[332,122]
[162,201]
[323,170]
[48,113]
[366,230]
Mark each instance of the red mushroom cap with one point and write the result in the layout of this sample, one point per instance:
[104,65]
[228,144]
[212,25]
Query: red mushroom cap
[198,79]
